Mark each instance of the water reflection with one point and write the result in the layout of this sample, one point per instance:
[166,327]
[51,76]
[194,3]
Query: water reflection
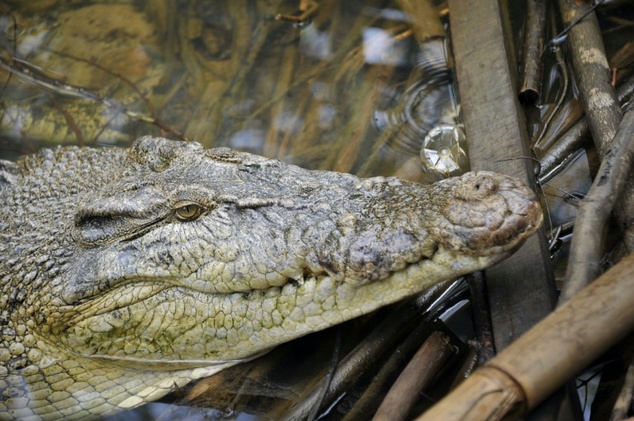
[321,93]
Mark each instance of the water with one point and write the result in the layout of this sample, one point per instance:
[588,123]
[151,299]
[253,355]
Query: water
[348,88]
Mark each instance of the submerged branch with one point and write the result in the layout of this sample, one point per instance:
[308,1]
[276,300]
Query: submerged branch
[32,75]
[425,19]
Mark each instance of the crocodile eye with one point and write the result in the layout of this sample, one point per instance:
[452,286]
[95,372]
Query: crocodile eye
[188,212]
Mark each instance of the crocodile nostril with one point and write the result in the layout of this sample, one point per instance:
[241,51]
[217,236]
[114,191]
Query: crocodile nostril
[485,185]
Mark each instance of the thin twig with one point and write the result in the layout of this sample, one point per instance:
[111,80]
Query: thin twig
[119,76]
[561,37]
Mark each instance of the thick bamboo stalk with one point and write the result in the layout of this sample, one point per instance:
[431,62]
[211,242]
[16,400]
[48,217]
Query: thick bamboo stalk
[549,354]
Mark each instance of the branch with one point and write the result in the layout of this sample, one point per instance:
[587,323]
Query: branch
[596,208]
[593,73]
[422,369]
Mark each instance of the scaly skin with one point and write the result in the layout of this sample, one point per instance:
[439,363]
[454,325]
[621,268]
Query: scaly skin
[127,273]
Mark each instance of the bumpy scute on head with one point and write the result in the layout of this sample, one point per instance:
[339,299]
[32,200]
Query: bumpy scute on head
[158,155]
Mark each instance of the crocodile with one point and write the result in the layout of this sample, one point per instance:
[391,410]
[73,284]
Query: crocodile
[128,272]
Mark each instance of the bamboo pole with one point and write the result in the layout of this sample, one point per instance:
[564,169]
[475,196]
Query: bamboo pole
[548,355]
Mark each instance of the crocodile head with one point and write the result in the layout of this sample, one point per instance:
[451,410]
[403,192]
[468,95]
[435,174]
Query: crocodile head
[126,273]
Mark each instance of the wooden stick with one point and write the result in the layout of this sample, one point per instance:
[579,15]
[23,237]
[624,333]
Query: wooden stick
[422,369]
[593,73]
[495,127]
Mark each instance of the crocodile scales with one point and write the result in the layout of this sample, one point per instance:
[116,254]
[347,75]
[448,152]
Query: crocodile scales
[125,273]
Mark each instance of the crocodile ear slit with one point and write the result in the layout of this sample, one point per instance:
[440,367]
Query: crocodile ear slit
[95,230]
[115,218]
